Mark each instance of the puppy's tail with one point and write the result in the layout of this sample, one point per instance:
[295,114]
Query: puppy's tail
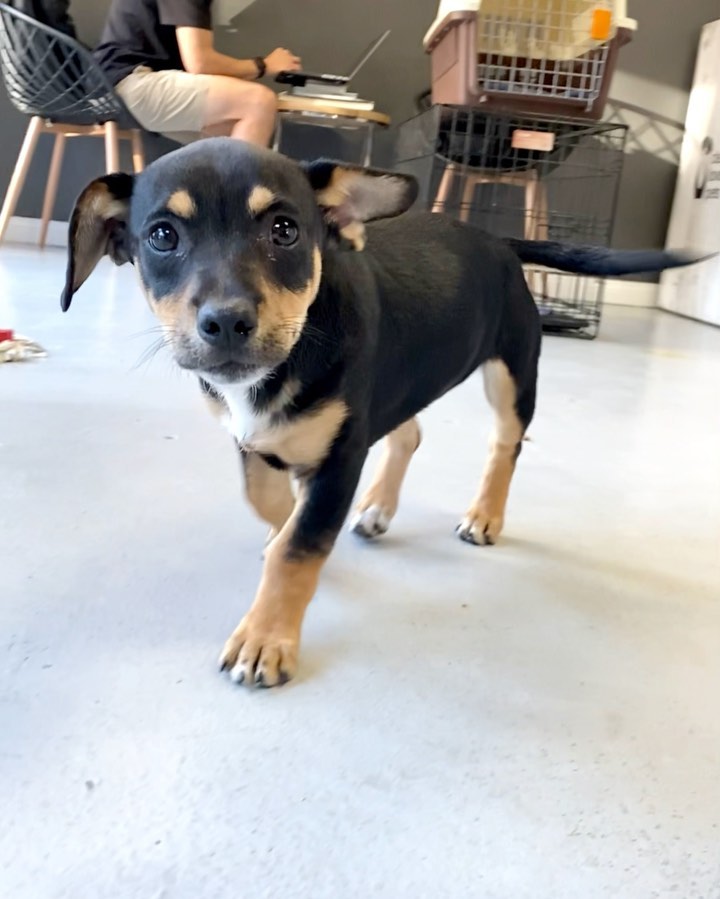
[600,261]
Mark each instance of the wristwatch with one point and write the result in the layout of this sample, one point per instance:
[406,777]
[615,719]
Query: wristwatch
[261,67]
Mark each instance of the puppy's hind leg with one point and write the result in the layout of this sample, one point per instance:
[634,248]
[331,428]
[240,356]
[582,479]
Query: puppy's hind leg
[376,509]
[513,406]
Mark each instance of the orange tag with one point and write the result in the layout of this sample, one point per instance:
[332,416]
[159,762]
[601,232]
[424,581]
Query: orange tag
[601,24]
[544,141]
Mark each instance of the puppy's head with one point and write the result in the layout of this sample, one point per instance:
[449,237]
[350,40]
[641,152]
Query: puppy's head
[228,239]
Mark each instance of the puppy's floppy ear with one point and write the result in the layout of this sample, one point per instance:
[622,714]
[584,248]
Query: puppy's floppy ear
[98,225]
[350,196]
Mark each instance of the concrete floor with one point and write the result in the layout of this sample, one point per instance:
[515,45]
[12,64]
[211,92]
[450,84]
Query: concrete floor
[539,719]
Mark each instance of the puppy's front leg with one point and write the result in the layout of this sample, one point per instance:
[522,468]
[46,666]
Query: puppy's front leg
[263,648]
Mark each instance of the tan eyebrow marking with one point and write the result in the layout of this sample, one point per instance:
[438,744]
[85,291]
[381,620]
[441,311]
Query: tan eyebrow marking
[260,199]
[182,204]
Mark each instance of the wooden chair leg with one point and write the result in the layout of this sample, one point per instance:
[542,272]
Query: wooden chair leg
[542,220]
[468,195]
[51,186]
[529,229]
[542,226]
[444,189]
[20,173]
[112,148]
[536,226]
[138,152]
[531,207]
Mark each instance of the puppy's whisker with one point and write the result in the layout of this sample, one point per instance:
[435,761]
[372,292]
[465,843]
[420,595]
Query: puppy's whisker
[156,329]
[150,353]
[309,333]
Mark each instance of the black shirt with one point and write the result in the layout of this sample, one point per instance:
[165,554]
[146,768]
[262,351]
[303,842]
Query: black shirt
[142,33]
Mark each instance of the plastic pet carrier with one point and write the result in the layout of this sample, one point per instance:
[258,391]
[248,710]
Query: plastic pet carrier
[553,57]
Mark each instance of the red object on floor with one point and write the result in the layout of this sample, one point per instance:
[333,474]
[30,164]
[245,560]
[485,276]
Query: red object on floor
[6,334]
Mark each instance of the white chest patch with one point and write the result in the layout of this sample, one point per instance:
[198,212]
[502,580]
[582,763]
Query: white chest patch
[301,441]
[241,419]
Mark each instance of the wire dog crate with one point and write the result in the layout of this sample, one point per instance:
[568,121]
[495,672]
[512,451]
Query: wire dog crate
[524,176]
[551,57]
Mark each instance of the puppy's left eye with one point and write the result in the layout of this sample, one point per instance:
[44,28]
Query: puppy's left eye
[284,231]
[163,238]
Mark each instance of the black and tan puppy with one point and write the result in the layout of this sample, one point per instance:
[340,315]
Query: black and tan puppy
[311,351]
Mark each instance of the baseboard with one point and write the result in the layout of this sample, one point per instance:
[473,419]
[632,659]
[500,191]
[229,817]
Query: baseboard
[640,294]
[27,230]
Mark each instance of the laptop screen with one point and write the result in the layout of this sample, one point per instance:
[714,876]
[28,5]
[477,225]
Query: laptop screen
[367,53]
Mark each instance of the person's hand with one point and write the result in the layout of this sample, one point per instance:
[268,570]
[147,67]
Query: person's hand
[281,60]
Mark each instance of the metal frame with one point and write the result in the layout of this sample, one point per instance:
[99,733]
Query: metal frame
[333,121]
[484,167]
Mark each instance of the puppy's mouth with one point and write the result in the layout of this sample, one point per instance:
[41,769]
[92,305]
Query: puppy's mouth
[224,367]
[231,372]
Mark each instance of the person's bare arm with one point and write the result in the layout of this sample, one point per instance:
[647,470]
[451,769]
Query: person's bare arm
[199,57]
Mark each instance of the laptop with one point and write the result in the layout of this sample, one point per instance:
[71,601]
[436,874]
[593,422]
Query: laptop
[300,79]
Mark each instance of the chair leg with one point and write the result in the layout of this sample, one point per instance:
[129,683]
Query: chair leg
[444,189]
[468,195]
[112,148]
[542,226]
[20,173]
[536,227]
[138,152]
[542,219]
[531,207]
[530,226]
[51,186]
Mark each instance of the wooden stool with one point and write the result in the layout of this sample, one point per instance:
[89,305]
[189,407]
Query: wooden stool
[536,201]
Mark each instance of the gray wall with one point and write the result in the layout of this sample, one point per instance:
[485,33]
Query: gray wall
[656,73]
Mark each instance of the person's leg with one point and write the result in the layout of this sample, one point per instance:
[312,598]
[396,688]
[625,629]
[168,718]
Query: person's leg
[180,105]
[223,129]
[243,109]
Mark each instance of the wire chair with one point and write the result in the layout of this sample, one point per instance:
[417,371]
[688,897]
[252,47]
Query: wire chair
[56,81]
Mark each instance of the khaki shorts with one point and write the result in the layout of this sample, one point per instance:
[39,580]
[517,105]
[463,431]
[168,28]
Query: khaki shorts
[170,102]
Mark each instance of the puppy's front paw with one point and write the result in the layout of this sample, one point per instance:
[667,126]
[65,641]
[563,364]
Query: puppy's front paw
[479,528]
[259,655]
[370,522]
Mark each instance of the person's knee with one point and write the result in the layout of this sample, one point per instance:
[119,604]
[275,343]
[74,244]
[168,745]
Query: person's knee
[264,99]
[255,98]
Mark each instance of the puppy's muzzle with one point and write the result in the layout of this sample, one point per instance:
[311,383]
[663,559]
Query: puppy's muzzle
[226,328]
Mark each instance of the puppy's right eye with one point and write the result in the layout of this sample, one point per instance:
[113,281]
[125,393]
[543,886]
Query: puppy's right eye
[163,238]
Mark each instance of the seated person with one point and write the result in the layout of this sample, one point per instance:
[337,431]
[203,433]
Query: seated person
[159,55]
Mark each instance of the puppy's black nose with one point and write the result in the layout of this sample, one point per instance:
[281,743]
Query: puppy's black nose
[228,328]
